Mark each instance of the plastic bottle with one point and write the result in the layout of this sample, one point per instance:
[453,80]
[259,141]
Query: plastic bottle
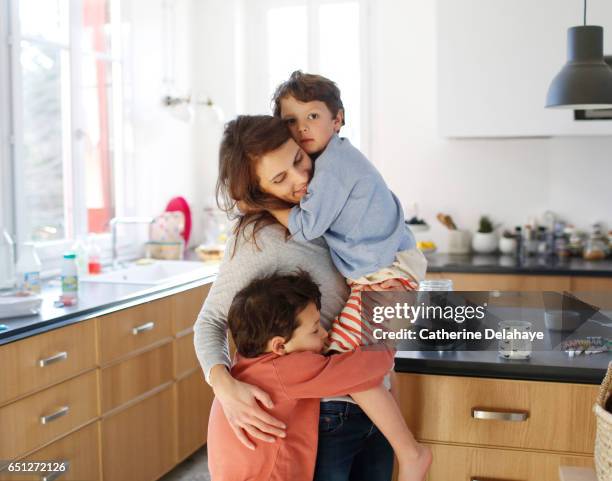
[80,250]
[70,279]
[7,260]
[28,268]
[94,265]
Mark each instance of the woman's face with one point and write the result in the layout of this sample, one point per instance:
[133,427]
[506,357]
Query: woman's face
[285,172]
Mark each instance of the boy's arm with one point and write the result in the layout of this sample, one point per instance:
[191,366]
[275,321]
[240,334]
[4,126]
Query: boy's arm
[319,208]
[310,375]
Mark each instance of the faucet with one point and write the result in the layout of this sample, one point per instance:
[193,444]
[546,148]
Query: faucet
[123,220]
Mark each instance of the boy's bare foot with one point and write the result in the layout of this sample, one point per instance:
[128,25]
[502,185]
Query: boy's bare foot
[415,469]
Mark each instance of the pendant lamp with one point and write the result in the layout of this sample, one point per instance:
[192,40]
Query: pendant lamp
[585,82]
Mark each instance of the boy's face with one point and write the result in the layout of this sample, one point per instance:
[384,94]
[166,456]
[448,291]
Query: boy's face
[310,336]
[312,124]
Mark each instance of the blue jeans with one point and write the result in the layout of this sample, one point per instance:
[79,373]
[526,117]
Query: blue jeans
[350,447]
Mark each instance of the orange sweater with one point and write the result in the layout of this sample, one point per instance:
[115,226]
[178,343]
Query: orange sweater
[295,382]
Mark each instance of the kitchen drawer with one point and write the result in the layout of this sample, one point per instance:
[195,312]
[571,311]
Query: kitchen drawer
[558,415]
[46,415]
[186,306]
[139,443]
[134,328]
[462,463]
[507,282]
[79,450]
[132,377]
[186,358]
[45,359]
[195,399]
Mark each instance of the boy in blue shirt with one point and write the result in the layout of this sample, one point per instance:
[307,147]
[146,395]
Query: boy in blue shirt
[348,203]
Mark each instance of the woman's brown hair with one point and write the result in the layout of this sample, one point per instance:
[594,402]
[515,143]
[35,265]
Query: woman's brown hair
[245,140]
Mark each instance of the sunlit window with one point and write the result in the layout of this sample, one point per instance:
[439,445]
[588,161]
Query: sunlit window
[315,36]
[64,121]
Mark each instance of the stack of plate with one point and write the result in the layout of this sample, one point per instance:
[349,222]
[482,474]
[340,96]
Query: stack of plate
[17,305]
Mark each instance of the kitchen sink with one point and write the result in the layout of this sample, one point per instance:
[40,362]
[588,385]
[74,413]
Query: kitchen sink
[158,272]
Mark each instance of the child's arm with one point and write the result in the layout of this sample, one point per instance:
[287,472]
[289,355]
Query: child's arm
[319,208]
[310,375]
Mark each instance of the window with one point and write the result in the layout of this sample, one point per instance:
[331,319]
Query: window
[66,123]
[328,37]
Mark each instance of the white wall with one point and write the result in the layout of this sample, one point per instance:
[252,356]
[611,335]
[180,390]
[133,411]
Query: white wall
[162,152]
[508,179]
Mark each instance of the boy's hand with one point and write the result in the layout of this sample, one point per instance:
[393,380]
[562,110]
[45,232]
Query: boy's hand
[388,285]
[239,401]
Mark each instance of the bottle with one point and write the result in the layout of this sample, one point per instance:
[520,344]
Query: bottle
[80,251]
[28,268]
[7,260]
[94,266]
[70,279]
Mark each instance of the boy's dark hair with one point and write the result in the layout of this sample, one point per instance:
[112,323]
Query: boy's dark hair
[269,307]
[307,87]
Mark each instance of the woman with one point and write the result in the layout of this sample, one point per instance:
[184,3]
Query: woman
[262,168]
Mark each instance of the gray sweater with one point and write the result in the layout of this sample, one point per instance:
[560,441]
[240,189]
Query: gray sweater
[274,254]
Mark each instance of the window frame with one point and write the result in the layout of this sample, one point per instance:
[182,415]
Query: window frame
[11,155]
[252,16]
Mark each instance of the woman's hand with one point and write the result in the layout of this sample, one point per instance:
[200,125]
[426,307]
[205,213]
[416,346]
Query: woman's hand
[239,402]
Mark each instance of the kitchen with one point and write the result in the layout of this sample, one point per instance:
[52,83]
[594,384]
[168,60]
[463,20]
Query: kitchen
[446,99]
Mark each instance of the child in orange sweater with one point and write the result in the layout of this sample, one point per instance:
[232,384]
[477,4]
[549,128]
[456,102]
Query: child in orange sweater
[275,325]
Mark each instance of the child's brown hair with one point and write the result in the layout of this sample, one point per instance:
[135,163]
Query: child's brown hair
[268,307]
[307,87]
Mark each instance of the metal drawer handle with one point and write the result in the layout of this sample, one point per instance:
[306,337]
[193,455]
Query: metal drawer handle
[60,356]
[485,479]
[56,474]
[145,327]
[499,415]
[57,414]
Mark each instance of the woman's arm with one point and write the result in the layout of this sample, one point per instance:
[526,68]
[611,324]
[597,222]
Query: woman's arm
[239,400]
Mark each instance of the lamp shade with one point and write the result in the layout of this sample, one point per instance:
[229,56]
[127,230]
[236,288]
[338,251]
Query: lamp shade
[585,82]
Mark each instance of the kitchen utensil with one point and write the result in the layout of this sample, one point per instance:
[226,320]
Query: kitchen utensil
[446,221]
[459,242]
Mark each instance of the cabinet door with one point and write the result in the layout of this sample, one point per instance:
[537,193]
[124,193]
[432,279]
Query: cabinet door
[459,463]
[186,306]
[139,443]
[507,282]
[80,451]
[496,60]
[195,398]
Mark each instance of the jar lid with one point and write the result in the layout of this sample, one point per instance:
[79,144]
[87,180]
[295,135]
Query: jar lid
[69,255]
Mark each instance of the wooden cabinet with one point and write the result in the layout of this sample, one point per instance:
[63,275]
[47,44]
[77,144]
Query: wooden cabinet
[46,359]
[463,463]
[134,329]
[499,429]
[48,414]
[139,442]
[496,60]
[130,414]
[80,451]
[194,400]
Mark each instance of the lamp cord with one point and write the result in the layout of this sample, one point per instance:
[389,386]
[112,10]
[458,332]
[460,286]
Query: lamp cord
[585,11]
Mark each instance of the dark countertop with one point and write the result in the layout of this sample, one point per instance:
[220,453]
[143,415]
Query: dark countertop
[95,299]
[543,366]
[497,264]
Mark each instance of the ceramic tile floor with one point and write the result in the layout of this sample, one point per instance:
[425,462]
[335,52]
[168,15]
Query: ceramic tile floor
[194,468]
